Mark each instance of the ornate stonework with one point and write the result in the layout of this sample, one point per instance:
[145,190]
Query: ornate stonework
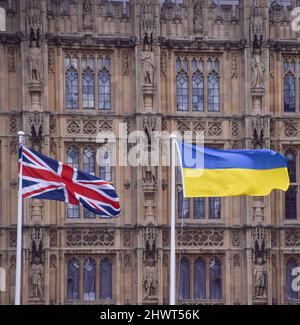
[200,66]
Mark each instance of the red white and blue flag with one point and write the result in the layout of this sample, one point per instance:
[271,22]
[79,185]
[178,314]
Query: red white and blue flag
[46,178]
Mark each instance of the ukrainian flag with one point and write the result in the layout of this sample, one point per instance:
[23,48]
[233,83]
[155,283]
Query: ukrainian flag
[216,173]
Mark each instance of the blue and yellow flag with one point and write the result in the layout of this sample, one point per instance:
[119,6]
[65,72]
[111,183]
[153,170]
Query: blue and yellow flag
[216,173]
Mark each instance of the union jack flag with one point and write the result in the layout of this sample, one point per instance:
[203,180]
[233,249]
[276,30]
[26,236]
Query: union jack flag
[46,178]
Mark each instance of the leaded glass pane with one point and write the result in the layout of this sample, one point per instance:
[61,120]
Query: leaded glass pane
[106,279]
[215,279]
[73,279]
[213,93]
[72,88]
[289,93]
[88,93]
[89,283]
[198,92]
[200,280]
[184,280]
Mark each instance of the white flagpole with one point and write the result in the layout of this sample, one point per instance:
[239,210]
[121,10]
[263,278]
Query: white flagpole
[173,222]
[19,230]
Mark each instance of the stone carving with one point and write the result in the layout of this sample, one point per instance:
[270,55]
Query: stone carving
[89,127]
[292,238]
[150,280]
[11,59]
[87,14]
[35,65]
[274,238]
[235,128]
[127,239]
[148,68]
[290,129]
[257,65]
[234,66]
[198,18]
[163,63]
[150,236]
[105,126]
[258,139]
[236,260]
[257,18]
[213,128]
[260,279]
[73,126]
[236,238]
[12,238]
[52,125]
[36,280]
[36,130]
[125,63]
[201,238]
[36,260]
[127,260]
[13,125]
[53,237]
[147,16]
[33,14]
[148,42]
[90,238]
[51,61]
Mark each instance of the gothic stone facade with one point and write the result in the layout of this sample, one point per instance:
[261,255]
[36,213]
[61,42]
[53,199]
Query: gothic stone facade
[70,69]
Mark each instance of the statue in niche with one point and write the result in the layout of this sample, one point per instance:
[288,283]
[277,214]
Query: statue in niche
[148,69]
[150,280]
[257,64]
[36,279]
[260,278]
[34,58]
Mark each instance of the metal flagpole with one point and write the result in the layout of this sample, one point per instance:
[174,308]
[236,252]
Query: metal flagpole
[19,229]
[172,238]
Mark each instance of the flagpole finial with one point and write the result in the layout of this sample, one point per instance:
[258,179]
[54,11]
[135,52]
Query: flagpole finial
[21,136]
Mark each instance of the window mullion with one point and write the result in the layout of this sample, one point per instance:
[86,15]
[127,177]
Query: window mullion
[190,84]
[80,70]
[205,76]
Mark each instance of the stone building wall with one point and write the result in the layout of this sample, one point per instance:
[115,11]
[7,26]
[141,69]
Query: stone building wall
[249,41]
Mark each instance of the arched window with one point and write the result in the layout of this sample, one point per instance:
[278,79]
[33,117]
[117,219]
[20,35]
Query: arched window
[291,203]
[183,205]
[89,281]
[73,211]
[213,92]
[184,279]
[105,169]
[290,293]
[106,279]
[182,92]
[88,96]
[104,90]
[215,279]
[291,156]
[72,88]
[289,92]
[214,208]
[89,157]
[200,280]
[198,92]
[73,270]
[199,208]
